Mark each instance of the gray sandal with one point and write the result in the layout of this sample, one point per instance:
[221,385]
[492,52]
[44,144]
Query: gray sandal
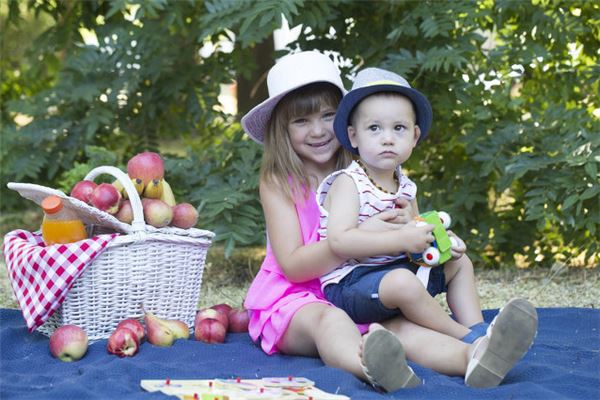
[384,362]
[508,338]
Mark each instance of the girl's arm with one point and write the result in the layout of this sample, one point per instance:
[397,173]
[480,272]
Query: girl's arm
[298,261]
[347,241]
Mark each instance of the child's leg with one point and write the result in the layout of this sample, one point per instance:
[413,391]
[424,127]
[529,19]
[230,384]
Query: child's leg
[485,362]
[462,296]
[318,329]
[321,330]
[401,289]
[431,349]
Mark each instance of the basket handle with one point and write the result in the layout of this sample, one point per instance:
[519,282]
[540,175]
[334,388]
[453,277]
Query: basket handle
[138,223]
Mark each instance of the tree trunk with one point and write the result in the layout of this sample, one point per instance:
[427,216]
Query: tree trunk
[252,91]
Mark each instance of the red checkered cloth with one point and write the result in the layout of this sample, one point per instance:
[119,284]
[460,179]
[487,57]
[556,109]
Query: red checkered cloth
[41,276]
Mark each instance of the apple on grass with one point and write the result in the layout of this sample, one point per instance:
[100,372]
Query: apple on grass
[68,343]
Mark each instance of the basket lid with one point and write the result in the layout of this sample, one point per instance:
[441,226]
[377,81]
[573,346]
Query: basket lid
[87,213]
[92,215]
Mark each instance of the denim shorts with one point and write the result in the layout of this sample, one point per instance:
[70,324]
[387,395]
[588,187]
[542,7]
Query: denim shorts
[358,292]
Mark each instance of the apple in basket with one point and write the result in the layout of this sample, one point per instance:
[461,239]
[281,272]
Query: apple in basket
[83,190]
[106,197]
[185,216]
[68,343]
[125,213]
[157,213]
[146,166]
[123,342]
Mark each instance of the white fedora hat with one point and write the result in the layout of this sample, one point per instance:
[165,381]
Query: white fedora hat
[290,72]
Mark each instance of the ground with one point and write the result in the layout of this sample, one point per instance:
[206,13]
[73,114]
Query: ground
[228,281]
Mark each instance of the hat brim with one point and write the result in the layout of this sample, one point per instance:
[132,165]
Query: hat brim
[350,100]
[256,121]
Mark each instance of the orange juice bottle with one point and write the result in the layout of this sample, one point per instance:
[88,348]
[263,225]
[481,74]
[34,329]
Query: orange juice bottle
[60,225]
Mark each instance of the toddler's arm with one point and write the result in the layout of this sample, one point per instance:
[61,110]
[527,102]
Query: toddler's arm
[347,241]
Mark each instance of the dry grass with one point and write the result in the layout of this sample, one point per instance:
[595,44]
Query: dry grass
[226,280]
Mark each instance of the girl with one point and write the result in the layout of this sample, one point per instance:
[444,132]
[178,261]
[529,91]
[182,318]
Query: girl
[288,311]
[287,308]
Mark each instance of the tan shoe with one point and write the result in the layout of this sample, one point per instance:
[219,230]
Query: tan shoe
[384,362]
[508,338]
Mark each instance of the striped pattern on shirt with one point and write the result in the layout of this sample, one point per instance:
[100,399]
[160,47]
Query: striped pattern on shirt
[371,202]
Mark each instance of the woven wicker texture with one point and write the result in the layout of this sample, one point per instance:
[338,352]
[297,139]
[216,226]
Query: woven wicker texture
[159,268]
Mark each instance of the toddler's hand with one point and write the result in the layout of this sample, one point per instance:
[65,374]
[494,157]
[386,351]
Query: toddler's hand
[458,248]
[417,236]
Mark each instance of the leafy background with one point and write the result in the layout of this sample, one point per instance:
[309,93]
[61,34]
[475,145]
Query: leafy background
[513,153]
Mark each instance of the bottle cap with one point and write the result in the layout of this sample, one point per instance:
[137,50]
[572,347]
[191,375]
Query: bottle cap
[52,204]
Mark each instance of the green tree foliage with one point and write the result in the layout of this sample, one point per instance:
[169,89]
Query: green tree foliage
[513,153]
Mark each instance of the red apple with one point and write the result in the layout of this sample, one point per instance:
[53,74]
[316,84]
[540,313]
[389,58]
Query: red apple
[135,326]
[125,213]
[106,197]
[223,308]
[209,330]
[68,343]
[146,166]
[123,342]
[185,216]
[83,190]
[214,314]
[238,320]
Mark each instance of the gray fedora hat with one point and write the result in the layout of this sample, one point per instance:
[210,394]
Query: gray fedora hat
[375,80]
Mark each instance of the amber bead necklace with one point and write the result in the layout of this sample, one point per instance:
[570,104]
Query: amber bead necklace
[373,180]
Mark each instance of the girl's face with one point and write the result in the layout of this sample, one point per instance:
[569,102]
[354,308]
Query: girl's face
[384,131]
[312,137]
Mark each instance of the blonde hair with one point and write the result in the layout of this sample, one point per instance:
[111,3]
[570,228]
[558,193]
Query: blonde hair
[280,162]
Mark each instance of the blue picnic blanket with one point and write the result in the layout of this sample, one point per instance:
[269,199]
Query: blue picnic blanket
[564,363]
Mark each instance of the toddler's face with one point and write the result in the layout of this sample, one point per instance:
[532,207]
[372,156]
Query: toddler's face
[312,136]
[384,131]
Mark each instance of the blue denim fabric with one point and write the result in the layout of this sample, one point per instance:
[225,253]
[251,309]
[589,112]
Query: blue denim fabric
[358,292]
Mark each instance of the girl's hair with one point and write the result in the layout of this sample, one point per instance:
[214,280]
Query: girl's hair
[280,162]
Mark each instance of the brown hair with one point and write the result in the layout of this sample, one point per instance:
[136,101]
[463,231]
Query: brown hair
[280,162]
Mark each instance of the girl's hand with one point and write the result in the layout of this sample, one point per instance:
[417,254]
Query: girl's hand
[417,236]
[405,211]
[458,248]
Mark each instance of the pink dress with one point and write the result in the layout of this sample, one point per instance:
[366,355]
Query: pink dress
[273,300]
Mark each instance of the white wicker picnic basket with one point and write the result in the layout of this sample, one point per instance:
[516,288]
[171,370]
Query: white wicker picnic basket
[159,268]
